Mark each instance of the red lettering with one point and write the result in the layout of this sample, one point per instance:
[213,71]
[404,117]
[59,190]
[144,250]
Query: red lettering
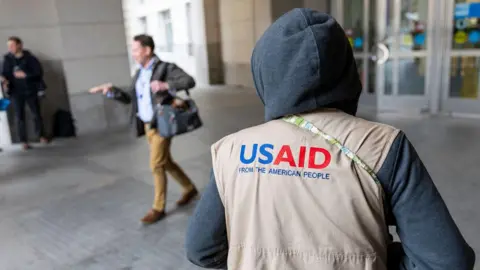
[313,155]
[287,152]
[301,156]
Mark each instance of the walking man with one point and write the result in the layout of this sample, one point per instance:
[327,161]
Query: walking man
[23,75]
[151,85]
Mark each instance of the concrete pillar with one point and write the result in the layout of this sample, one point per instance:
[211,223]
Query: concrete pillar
[93,51]
[263,17]
[80,44]
[320,5]
[242,23]
[207,42]
[213,44]
[280,7]
[200,42]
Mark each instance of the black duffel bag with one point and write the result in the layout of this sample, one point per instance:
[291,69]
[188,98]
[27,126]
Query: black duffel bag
[176,120]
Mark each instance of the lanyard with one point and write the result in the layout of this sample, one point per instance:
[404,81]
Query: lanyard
[304,124]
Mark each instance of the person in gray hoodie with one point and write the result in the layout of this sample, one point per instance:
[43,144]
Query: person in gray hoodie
[316,187]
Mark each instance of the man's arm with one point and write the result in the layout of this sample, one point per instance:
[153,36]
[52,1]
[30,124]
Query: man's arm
[7,70]
[120,95]
[430,238]
[112,92]
[35,70]
[6,76]
[178,79]
[206,241]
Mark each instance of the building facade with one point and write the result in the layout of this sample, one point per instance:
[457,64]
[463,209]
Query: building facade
[413,56]
[174,26]
[210,39]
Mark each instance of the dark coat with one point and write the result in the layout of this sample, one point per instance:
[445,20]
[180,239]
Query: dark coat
[29,64]
[162,71]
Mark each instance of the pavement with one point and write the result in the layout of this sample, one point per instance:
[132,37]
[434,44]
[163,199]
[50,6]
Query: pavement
[76,204]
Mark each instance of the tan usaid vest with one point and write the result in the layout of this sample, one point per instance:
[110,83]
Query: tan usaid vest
[293,201]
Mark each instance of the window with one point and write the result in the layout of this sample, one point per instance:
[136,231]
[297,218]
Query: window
[166,26]
[142,24]
[188,10]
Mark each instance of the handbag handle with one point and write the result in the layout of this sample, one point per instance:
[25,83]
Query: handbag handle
[173,92]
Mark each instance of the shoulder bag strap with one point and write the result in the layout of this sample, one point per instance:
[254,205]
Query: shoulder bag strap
[304,124]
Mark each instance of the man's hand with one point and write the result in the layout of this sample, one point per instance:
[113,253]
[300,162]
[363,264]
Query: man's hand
[159,86]
[19,74]
[103,88]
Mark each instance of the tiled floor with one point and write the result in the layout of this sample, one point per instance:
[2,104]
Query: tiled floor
[76,204]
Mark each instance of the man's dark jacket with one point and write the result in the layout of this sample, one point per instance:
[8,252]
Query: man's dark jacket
[176,78]
[29,64]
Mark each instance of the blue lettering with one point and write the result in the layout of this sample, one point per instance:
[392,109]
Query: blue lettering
[315,175]
[284,172]
[268,156]
[245,170]
[252,158]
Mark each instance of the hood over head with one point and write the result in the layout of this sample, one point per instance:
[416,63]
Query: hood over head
[304,62]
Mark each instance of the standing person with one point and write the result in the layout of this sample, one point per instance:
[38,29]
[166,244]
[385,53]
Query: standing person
[151,85]
[315,188]
[24,74]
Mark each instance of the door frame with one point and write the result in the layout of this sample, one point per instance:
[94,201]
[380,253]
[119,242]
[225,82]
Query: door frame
[394,102]
[447,104]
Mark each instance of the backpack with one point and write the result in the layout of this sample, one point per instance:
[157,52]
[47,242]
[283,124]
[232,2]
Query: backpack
[63,124]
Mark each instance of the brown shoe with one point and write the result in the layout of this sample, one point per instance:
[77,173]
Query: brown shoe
[153,216]
[187,197]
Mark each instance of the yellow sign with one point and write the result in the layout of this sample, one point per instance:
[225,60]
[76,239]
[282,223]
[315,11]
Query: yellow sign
[351,41]
[460,37]
[407,40]
[470,78]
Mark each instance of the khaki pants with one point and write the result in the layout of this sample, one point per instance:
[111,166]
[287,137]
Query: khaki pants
[161,162]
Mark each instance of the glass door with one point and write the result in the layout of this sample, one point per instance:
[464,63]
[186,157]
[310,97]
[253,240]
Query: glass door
[461,62]
[405,28]
[391,40]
